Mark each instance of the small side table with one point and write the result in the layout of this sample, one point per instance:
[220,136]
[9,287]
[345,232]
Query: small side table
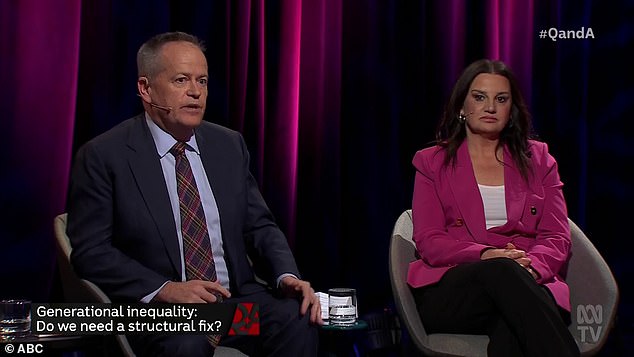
[341,340]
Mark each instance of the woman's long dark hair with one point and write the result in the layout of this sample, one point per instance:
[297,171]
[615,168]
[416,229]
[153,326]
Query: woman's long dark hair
[451,131]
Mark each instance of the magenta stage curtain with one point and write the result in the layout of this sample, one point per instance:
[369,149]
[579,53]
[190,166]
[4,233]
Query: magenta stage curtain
[509,37]
[333,98]
[39,54]
[294,108]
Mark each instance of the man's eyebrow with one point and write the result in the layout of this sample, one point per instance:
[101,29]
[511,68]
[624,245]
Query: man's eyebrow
[190,74]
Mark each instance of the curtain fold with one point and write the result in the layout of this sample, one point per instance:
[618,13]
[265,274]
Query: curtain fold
[509,38]
[319,140]
[39,75]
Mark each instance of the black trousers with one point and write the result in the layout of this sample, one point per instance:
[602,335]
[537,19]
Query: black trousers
[283,332]
[498,298]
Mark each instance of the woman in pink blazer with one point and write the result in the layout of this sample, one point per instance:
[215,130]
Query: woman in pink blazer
[490,223]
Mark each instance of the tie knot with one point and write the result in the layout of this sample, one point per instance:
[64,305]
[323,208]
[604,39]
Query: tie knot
[178,149]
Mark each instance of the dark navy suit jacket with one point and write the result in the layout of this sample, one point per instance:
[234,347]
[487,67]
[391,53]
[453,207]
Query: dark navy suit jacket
[120,221]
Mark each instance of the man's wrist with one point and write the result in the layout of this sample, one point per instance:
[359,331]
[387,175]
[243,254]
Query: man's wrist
[279,279]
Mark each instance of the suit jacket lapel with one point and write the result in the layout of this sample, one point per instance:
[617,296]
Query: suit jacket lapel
[146,168]
[211,157]
[466,193]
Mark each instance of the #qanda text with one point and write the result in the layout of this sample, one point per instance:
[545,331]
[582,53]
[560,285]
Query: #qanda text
[558,34]
[96,319]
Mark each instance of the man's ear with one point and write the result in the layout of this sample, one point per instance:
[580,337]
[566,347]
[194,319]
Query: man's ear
[143,86]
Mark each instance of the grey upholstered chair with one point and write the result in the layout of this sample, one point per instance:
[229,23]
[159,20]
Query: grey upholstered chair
[81,290]
[593,290]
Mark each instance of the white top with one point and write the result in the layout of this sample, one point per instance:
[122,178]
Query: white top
[494,205]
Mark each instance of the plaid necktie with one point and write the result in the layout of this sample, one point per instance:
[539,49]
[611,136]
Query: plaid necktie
[199,262]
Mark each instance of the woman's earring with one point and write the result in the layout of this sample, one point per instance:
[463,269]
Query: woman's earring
[462,118]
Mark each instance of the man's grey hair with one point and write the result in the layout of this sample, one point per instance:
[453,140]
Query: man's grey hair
[147,56]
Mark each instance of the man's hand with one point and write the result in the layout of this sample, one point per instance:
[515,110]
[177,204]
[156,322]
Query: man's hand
[192,291]
[294,287]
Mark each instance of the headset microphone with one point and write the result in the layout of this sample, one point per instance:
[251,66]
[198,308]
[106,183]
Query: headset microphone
[167,109]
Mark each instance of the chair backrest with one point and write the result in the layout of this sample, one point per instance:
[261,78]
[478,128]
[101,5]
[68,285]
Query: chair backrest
[593,295]
[402,252]
[77,289]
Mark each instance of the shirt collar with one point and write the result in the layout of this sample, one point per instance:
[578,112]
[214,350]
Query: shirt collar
[165,141]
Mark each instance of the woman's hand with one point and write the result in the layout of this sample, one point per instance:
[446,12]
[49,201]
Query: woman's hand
[511,252]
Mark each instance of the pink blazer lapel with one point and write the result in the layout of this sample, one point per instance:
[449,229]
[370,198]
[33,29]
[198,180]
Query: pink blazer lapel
[515,190]
[466,193]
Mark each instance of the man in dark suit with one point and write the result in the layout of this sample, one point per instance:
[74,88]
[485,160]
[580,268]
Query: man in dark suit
[125,212]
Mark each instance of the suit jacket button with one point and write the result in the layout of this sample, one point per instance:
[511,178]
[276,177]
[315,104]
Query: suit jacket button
[459,222]
[533,210]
